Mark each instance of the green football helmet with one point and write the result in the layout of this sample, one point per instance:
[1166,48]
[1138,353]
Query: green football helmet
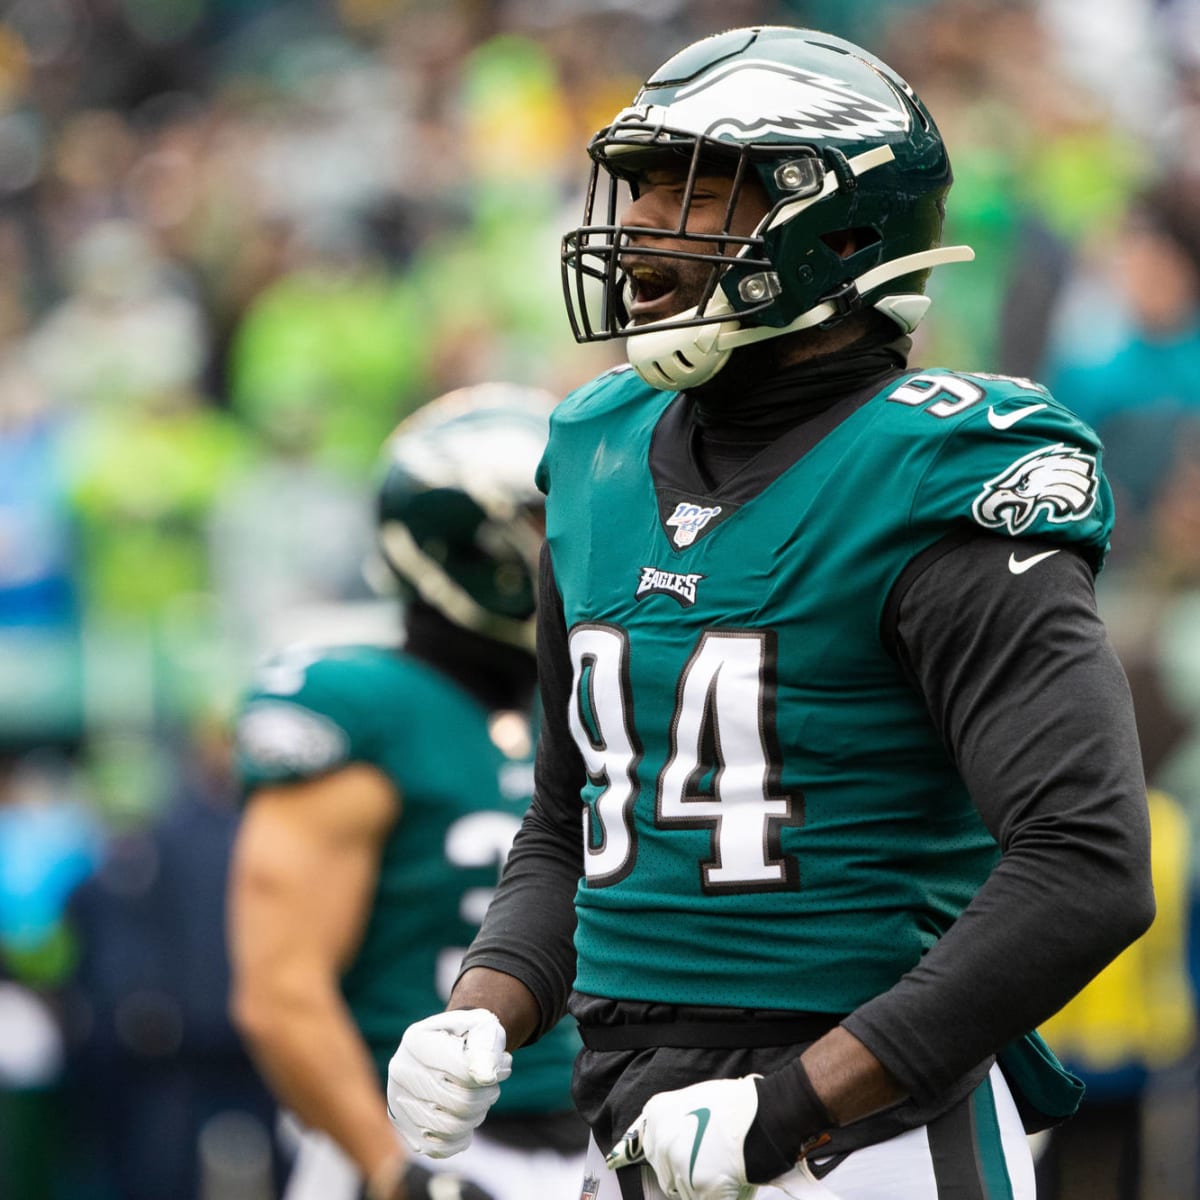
[838,141]
[461,520]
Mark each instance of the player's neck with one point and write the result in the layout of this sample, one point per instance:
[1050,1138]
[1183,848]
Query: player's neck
[497,675]
[764,394]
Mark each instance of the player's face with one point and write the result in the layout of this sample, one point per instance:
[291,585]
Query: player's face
[661,287]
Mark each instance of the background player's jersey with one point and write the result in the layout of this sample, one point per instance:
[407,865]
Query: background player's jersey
[462,798]
[770,818]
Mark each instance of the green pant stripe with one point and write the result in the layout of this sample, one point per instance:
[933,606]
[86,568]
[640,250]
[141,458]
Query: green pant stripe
[967,1152]
[989,1148]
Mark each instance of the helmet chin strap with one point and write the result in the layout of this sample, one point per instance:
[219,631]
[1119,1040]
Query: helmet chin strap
[674,359]
[905,313]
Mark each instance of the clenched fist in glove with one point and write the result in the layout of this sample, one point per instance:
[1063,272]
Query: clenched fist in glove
[444,1077]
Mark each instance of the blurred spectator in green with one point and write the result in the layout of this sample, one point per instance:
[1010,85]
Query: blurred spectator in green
[144,455]
[491,288]
[126,330]
[290,536]
[336,345]
[1037,163]
[143,481]
[1126,350]
[121,359]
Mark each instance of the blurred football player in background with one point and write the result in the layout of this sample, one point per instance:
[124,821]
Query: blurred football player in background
[384,788]
[861,791]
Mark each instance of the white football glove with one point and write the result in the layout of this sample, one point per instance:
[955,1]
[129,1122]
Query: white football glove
[444,1077]
[693,1139]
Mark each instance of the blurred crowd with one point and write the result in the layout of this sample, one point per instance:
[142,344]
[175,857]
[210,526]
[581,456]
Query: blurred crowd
[241,239]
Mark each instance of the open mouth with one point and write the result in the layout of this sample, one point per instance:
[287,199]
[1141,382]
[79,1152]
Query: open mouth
[650,291]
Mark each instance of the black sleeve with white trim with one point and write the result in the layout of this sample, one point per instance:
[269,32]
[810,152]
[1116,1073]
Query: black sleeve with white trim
[1003,640]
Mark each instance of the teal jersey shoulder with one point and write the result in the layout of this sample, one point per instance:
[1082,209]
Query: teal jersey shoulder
[462,781]
[311,711]
[617,389]
[1012,459]
[759,771]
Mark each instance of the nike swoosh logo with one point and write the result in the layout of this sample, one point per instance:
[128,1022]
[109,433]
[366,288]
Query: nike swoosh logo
[1008,420]
[702,1115]
[1018,566]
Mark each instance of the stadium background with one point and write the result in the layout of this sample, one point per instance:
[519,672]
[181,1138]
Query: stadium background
[240,239]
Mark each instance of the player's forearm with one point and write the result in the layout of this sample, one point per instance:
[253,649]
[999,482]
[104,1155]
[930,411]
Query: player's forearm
[848,1079]
[513,1003]
[1029,941]
[536,893]
[318,1067]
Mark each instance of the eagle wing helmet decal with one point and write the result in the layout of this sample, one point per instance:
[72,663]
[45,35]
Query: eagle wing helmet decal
[1058,482]
[743,101]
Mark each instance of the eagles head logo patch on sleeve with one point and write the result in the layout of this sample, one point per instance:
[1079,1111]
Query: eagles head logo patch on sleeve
[1057,482]
[281,736]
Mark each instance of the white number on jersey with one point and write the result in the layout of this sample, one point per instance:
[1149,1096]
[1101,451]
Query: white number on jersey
[946,395]
[722,771]
[606,741]
[479,839]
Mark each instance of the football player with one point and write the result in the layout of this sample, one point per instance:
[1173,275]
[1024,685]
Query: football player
[822,674]
[384,787]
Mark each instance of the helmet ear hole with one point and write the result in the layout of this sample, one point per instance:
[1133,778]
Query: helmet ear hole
[845,242]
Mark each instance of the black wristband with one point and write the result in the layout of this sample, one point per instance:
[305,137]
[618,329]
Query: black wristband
[789,1120]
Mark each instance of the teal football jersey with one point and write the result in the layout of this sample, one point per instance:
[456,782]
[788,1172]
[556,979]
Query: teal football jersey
[769,817]
[462,800]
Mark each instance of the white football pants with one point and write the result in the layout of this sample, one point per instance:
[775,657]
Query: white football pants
[977,1151]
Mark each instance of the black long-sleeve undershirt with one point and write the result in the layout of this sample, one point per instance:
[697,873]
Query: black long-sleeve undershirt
[1023,685]
[1020,679]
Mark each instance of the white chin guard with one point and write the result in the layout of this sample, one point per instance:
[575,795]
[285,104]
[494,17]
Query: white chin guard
[675,358]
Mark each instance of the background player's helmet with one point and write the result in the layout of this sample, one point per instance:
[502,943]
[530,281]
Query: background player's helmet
[461,520]
[838,140]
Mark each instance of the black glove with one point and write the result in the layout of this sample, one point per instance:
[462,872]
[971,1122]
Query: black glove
[414,1182]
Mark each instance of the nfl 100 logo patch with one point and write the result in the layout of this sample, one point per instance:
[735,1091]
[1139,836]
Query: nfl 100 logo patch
[591,1187]
[689,519]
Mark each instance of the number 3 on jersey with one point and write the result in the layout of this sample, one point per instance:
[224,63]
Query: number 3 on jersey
[722,769]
